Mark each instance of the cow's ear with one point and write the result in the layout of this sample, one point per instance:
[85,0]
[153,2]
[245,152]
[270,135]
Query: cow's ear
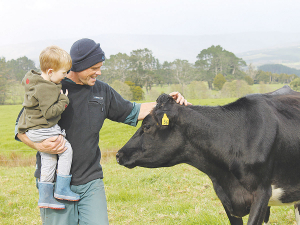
[163,100]
[165,111]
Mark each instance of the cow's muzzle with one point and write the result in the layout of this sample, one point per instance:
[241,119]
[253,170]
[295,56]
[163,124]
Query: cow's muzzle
[122,160]
[118,157]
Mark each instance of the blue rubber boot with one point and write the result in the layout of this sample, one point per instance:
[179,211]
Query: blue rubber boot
[62,188]
[46,199]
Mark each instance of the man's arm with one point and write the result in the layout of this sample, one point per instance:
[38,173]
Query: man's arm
[147,107]
[52,145]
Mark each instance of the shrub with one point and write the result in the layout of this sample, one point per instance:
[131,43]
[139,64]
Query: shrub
[295,84]
[219,81]
[249,80]
[137,91]
[236,89]
[197,90]
[123,89]
[264,88]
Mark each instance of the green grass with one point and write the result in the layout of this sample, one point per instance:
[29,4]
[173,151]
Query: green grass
[8,115]
[18,196]
[167,196]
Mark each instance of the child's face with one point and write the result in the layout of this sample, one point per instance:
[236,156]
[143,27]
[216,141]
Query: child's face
[57,76]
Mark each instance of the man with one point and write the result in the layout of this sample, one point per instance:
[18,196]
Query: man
[91,102]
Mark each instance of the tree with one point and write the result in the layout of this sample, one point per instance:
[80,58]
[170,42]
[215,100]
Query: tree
[19,67]
[166,72]
[116,67]
[251,71]
[3,80]
[285,78]
[214,60]
[219,81]
[234,65]
[143,64]
[182,72]
[263,76]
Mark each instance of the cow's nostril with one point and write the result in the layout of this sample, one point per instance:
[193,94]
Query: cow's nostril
[117,157]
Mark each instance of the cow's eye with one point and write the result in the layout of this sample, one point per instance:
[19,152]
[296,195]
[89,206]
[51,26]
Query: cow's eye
[146,127]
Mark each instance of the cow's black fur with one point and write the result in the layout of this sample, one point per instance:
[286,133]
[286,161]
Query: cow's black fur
[244,147]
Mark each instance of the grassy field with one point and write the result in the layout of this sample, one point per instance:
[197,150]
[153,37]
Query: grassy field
[176,195]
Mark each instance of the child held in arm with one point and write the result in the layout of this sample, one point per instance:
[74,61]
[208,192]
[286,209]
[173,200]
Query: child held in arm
[44,102]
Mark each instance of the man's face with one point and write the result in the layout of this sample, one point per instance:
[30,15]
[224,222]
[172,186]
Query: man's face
[88,76]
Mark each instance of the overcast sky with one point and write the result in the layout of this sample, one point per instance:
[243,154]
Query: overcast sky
[26,21]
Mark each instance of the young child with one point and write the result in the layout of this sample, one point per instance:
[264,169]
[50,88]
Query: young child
[44,103]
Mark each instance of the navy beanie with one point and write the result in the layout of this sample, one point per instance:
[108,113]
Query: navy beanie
[85,53]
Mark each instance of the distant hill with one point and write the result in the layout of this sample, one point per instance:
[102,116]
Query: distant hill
[278,68]
[288,56]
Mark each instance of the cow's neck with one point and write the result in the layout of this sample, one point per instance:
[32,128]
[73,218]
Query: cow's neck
[206,129]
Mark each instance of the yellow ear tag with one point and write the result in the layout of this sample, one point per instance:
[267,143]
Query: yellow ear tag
[165,120]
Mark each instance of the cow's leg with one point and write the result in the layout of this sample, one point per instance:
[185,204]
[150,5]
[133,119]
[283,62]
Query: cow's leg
[267,216]
[259,206]
[233,220]
[297,213]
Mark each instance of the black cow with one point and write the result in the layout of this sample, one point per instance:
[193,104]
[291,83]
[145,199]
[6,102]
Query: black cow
[250,149]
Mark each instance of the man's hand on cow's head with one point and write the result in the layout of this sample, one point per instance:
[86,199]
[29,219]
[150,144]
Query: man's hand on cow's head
[179,98]
[147,107]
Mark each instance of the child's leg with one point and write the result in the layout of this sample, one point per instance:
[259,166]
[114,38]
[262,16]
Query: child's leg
[46,198]
[48,166]
[65,160]
[48,161]
[63,180]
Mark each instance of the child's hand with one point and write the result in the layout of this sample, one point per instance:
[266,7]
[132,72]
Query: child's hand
[66,94]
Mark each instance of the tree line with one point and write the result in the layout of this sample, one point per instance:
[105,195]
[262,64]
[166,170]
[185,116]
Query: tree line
[11,74]
[214,65]
[140,69]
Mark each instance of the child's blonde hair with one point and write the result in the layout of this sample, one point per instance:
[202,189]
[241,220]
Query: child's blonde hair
[54,57]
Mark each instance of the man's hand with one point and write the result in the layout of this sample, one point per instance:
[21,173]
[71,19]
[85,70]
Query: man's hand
[52,145]
[147,107]
[179,98]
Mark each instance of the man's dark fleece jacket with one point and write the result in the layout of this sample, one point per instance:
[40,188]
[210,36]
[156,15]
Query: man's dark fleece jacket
[83,118]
